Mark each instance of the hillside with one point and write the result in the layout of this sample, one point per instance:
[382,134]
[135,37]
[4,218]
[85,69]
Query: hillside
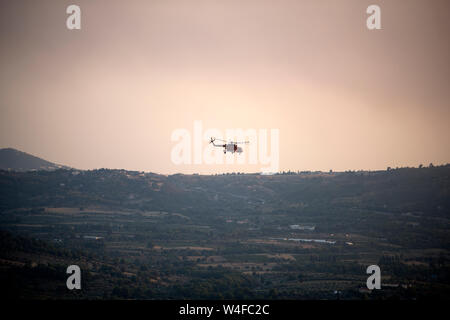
[15,160]
[244,236]
[400,190]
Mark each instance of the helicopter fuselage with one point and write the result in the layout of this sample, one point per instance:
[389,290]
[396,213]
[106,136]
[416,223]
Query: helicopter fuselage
[231,147]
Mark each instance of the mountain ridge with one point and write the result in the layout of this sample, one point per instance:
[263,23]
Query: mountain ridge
[15,160]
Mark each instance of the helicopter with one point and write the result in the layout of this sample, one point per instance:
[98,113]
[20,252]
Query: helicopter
[230,146]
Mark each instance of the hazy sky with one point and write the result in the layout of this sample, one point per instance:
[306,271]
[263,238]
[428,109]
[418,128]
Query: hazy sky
[111,94]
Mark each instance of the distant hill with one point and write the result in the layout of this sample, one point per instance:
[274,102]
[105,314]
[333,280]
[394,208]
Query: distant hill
[335,195]
[12,159]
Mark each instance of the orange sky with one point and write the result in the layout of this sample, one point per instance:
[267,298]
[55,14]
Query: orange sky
[111,94]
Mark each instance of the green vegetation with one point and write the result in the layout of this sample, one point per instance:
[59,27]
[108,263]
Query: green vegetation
[242,236]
